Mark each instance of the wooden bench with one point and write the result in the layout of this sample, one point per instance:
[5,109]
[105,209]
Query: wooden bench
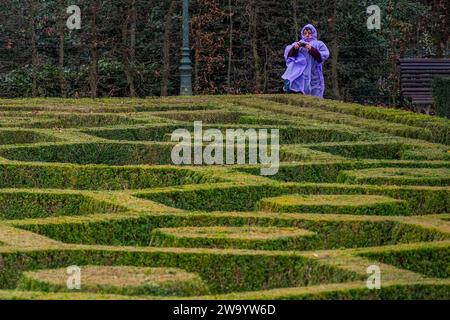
[417,77]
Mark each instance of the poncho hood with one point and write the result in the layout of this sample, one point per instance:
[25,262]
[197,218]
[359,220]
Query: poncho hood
[314,33]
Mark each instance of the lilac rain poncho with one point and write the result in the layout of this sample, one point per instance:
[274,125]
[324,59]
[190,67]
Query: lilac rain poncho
[304,73]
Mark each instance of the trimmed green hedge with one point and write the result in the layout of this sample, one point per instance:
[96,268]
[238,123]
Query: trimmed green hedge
[397,176]
[280,238]
[96,106]
[23,137]
[264,120]
[288,134]
[393,292]
[222,272]
[82,120]
[97,177]
[222,237]
[214,116]
[424,200]
[94,153]
[328,171]
[362,150]
[439,127]
[154,133]
[23,205]
[426,152]
[432,262]
[304,111]
[171,108]
[118,280]
[387,292]
[338,204]
[329,234]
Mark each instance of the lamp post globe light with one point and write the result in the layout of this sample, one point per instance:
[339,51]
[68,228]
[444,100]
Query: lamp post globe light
[185,68]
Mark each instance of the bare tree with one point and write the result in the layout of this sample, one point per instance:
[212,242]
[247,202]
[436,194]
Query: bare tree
[133,23]
[334,50]
[93,72]
[34,50]
[166,47]
[61,29]
[230,49]
[252,10]
[127,48]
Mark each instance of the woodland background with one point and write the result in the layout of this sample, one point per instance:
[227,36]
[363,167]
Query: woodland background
[132,47]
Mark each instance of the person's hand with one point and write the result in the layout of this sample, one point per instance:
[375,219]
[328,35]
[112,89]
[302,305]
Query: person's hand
[308,46]
[297,45]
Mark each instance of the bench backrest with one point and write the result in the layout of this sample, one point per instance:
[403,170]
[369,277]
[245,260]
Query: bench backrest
[417,77]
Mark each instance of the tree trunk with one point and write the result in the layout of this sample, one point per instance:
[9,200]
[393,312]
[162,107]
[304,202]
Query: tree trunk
[126,52]
[34,51]
[61,26]
[253,24]
[166,48]
[334,51]
[93,73]
[334,69]
[266,74]
[133,21]
[196,87]
[230,50]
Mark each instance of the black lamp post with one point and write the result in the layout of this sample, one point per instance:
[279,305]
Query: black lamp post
[185,68]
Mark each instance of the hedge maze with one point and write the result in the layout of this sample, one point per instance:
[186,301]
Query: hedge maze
[91,184]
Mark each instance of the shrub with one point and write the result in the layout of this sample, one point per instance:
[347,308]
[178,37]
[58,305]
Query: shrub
[441,96]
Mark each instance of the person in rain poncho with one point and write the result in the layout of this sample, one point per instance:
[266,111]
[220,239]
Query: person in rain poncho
[304,60]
